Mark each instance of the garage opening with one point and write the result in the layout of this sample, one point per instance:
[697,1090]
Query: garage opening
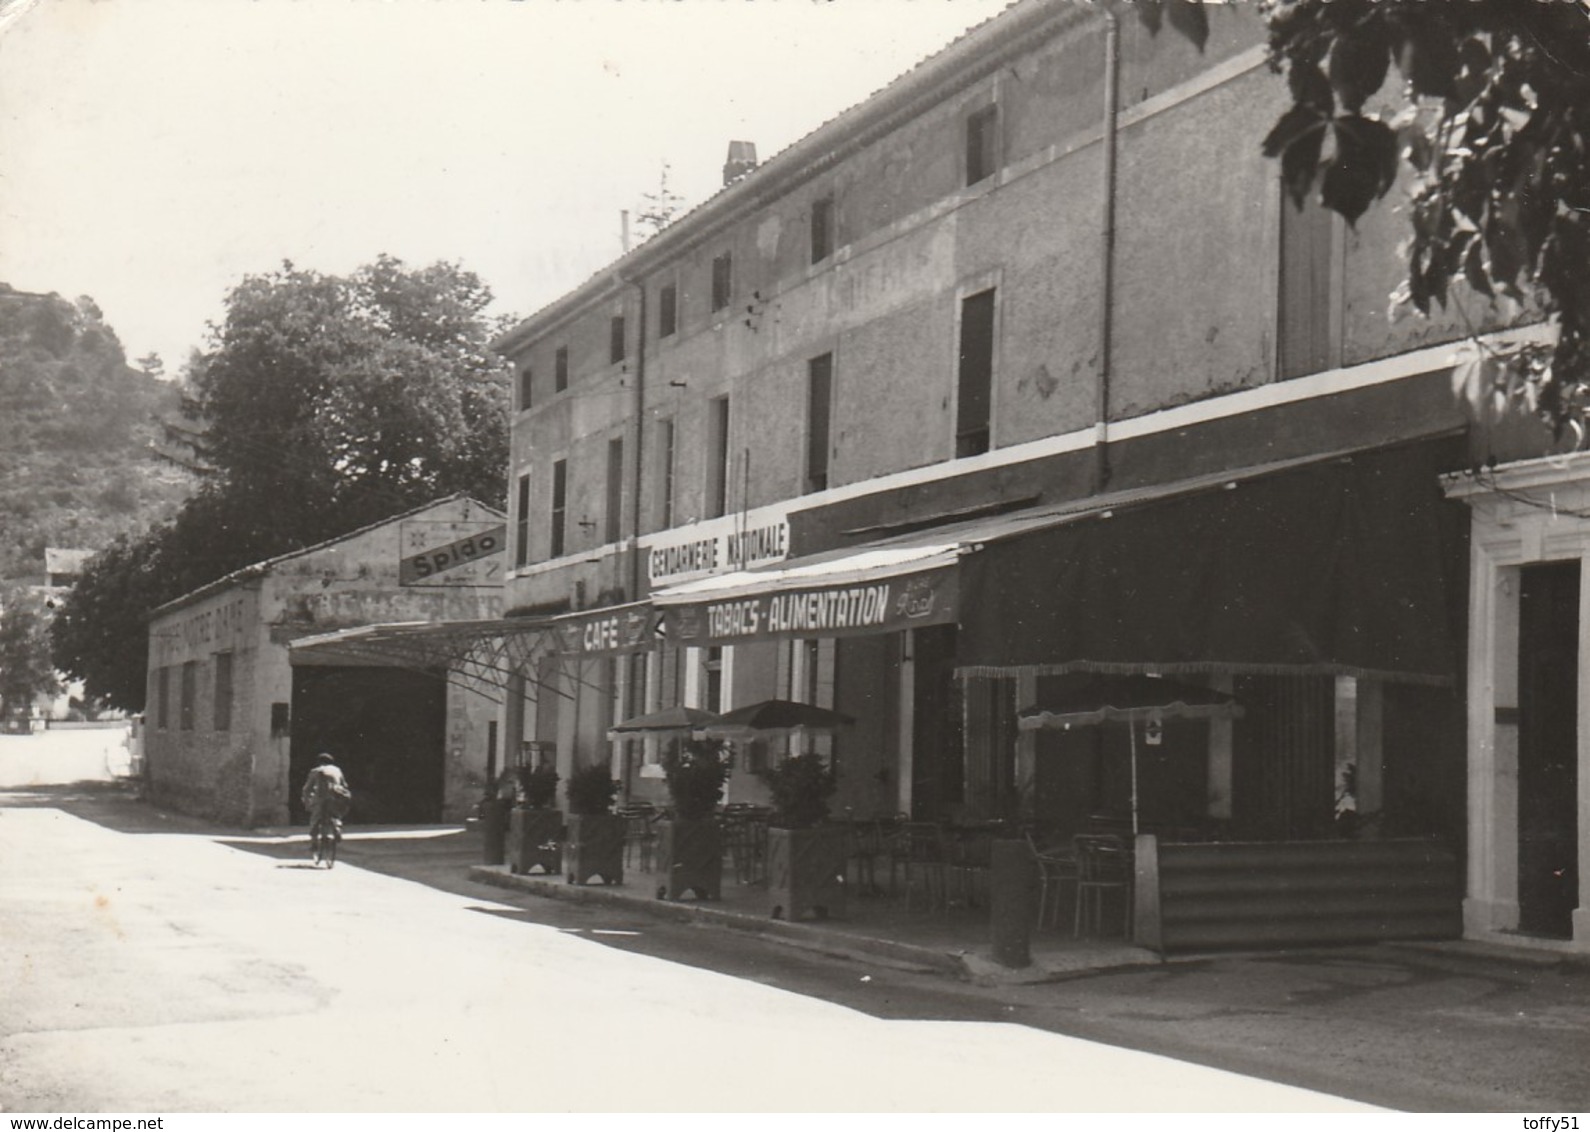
[387,729]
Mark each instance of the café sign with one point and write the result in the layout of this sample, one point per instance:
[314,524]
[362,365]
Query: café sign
[887,605]
[609,631]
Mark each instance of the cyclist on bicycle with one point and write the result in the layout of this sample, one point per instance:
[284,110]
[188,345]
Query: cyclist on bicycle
[326,796]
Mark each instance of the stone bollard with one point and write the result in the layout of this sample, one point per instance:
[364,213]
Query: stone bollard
[1012,889]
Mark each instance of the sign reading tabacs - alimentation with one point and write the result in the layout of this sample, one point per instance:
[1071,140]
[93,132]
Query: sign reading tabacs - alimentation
[884,606]
[439,553]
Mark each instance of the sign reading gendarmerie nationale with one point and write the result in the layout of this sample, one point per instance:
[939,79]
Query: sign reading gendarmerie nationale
[734,542]
[451,553]
[887,605]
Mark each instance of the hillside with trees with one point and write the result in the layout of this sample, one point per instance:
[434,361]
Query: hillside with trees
[320,404]
[76,425]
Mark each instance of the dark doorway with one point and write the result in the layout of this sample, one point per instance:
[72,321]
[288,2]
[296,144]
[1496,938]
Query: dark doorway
[1548,740]
[1284,757]
[937,780]
[387,729]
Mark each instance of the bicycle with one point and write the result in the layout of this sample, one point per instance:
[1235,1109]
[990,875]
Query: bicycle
[325,833]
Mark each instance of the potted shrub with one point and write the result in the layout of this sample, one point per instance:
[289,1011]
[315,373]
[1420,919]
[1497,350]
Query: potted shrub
[805,857]
[535,828]
[691,840]
[594,841]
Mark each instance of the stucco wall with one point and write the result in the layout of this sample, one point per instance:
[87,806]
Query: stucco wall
[240,775]
[201,769]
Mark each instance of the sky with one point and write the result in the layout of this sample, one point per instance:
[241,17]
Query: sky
[154,152]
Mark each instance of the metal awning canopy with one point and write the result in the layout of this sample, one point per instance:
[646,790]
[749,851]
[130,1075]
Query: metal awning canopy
[480,655]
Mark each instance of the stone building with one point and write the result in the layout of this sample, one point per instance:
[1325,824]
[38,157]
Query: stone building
[233,724]
[1023,368]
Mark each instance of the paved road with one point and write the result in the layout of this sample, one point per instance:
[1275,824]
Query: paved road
[50,757]
[147,965]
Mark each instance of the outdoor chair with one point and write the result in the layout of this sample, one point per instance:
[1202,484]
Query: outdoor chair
[640,834]
[917,851]
[745,840]
[1104,878]
[1057,871]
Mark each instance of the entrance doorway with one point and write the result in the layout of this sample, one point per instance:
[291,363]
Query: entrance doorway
[387,729]
[1548,748]
[936,768]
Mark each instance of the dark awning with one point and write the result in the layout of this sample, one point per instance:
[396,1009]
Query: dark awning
[1342,567]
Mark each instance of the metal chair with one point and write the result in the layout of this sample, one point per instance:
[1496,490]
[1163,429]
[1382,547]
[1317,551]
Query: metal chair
[640,834]
[745,839]
[1104,868]
[1056,872]
[917,849]
[864,844]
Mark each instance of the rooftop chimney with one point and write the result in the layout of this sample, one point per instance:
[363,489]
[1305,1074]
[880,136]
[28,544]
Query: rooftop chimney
[742,159]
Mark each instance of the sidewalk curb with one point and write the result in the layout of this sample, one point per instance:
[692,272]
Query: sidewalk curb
[803,936]
[965,966]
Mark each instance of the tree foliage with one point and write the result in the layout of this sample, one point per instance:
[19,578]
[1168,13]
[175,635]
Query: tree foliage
[657,210]
[1496,129]
[322,404]
[25,669]
[76,423]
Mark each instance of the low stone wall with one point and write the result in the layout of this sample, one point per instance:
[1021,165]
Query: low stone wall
[1271,894]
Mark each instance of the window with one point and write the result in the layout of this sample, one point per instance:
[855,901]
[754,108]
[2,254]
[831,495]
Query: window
[982,152]
[524,389]
[721,281]
[714,683]
[615,339]
[223,691]
[822,229]
[190,691]
[1309,318]
[667,311]
[560,484]
[615,489]
[163,698]
[975,382]
[717,457]
[665,473]
[560,370]
[521,523]
[819,411]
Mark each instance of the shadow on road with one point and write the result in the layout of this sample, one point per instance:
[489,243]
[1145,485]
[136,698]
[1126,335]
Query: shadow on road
[114,805]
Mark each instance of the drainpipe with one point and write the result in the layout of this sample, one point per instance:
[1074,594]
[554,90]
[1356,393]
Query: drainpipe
[635,567]
[1112,83]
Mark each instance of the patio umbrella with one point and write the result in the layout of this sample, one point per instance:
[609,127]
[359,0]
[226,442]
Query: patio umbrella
[1094,698]
[662,722]
[775,717]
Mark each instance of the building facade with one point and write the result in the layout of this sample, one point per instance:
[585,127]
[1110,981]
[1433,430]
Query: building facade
[234,722]
[1019,369]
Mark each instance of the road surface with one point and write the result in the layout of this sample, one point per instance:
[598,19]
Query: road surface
[147,965]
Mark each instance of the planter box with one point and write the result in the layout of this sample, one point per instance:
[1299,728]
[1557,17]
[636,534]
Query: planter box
[692,858]
[494,829]
[535,839]
[594,846]
[806,871]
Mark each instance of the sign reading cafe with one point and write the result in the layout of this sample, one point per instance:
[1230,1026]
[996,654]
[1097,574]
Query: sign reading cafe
[887,605]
